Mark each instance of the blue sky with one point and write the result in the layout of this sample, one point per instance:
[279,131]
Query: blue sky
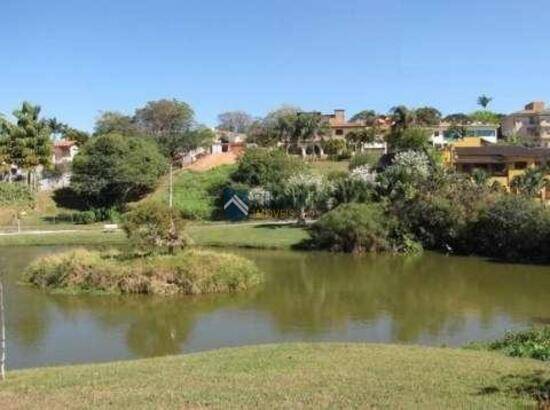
[76,58]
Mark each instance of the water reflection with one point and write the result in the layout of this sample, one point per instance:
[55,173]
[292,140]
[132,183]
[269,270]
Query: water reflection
[431,299]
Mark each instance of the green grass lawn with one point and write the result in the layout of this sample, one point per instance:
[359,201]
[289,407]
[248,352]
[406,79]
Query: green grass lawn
[287,376]
[328,167]
[197,194]
[263,235]
[256,235]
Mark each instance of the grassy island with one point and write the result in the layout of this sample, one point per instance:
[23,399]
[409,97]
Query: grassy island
[322,375]
[190,272]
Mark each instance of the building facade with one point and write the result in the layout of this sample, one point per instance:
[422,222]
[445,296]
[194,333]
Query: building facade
[531,124]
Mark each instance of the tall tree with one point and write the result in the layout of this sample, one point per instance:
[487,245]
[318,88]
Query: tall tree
[484,100]
[112,169]
[234,121]
[167,121]
[458,118]
[402,117]
[369,116]
[114,122]
[28,142]
[427,116]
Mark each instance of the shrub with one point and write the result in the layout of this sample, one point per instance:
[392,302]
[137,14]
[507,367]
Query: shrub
[533,343]
[192,272]
[354,228]
[263,167]
[305,193]
[368,158]
[334,146]
[356,187]
[402,178]
[513,228]
[113,169]
[15,194]
[152,226]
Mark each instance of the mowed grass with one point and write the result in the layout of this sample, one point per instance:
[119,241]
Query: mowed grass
[287,376]
[246,235]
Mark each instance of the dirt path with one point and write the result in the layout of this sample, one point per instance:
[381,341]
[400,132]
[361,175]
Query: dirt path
[212,161]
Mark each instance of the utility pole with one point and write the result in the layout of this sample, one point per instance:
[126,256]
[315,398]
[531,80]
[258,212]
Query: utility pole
[2,334]
[170,200]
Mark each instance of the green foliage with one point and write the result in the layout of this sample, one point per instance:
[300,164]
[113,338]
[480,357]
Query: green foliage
[357,138]
[402,178]
[112,122]
[16,194]
[427,116]
[27,143]
[306,193]
[354,228]
[530,183]
[369,158]
[198,195]
[334,146]
[369,116]
[533,343]
[113,169]
[458,118]
[484,100]
[486,117]
[263,167]
[152,226]
[409,139]
[351,188]
[288,125]
[513,228]
[192,272]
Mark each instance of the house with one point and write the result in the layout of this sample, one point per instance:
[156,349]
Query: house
[340,128]
[64,151]
[502,162]
[532,123]
[442,135]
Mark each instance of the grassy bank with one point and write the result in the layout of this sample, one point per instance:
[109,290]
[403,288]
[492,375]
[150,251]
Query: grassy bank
[190,272]
[197,194]
[287,376]
[262,235]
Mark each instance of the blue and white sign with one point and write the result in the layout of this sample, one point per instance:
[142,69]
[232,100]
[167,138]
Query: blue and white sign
[235,204]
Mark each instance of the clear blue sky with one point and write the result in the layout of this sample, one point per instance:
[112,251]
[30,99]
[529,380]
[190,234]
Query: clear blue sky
[76,58]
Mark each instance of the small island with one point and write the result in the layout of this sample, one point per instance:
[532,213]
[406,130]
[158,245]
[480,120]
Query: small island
[159,263]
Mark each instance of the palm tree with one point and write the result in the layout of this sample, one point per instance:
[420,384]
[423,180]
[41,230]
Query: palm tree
[530,183]
[484,100]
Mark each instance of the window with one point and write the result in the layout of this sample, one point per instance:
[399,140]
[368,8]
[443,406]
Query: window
[532,120]
[339,131]
[520,165]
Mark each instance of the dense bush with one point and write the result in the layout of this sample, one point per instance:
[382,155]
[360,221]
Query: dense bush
[356,187]
[191,272]
[334,146]
[15,194]
[113,169]
[354,228]
[533,343]
[86,217]
[153,226]
[263,167]
[513,228]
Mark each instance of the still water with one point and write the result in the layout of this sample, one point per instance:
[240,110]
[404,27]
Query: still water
[431,299]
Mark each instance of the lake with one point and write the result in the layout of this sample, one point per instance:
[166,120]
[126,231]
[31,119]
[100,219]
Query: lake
[430,299]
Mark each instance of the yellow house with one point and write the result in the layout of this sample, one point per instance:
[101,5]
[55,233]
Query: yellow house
[502,162]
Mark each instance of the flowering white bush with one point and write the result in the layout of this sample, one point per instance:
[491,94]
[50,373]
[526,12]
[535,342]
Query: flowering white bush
[364,173]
